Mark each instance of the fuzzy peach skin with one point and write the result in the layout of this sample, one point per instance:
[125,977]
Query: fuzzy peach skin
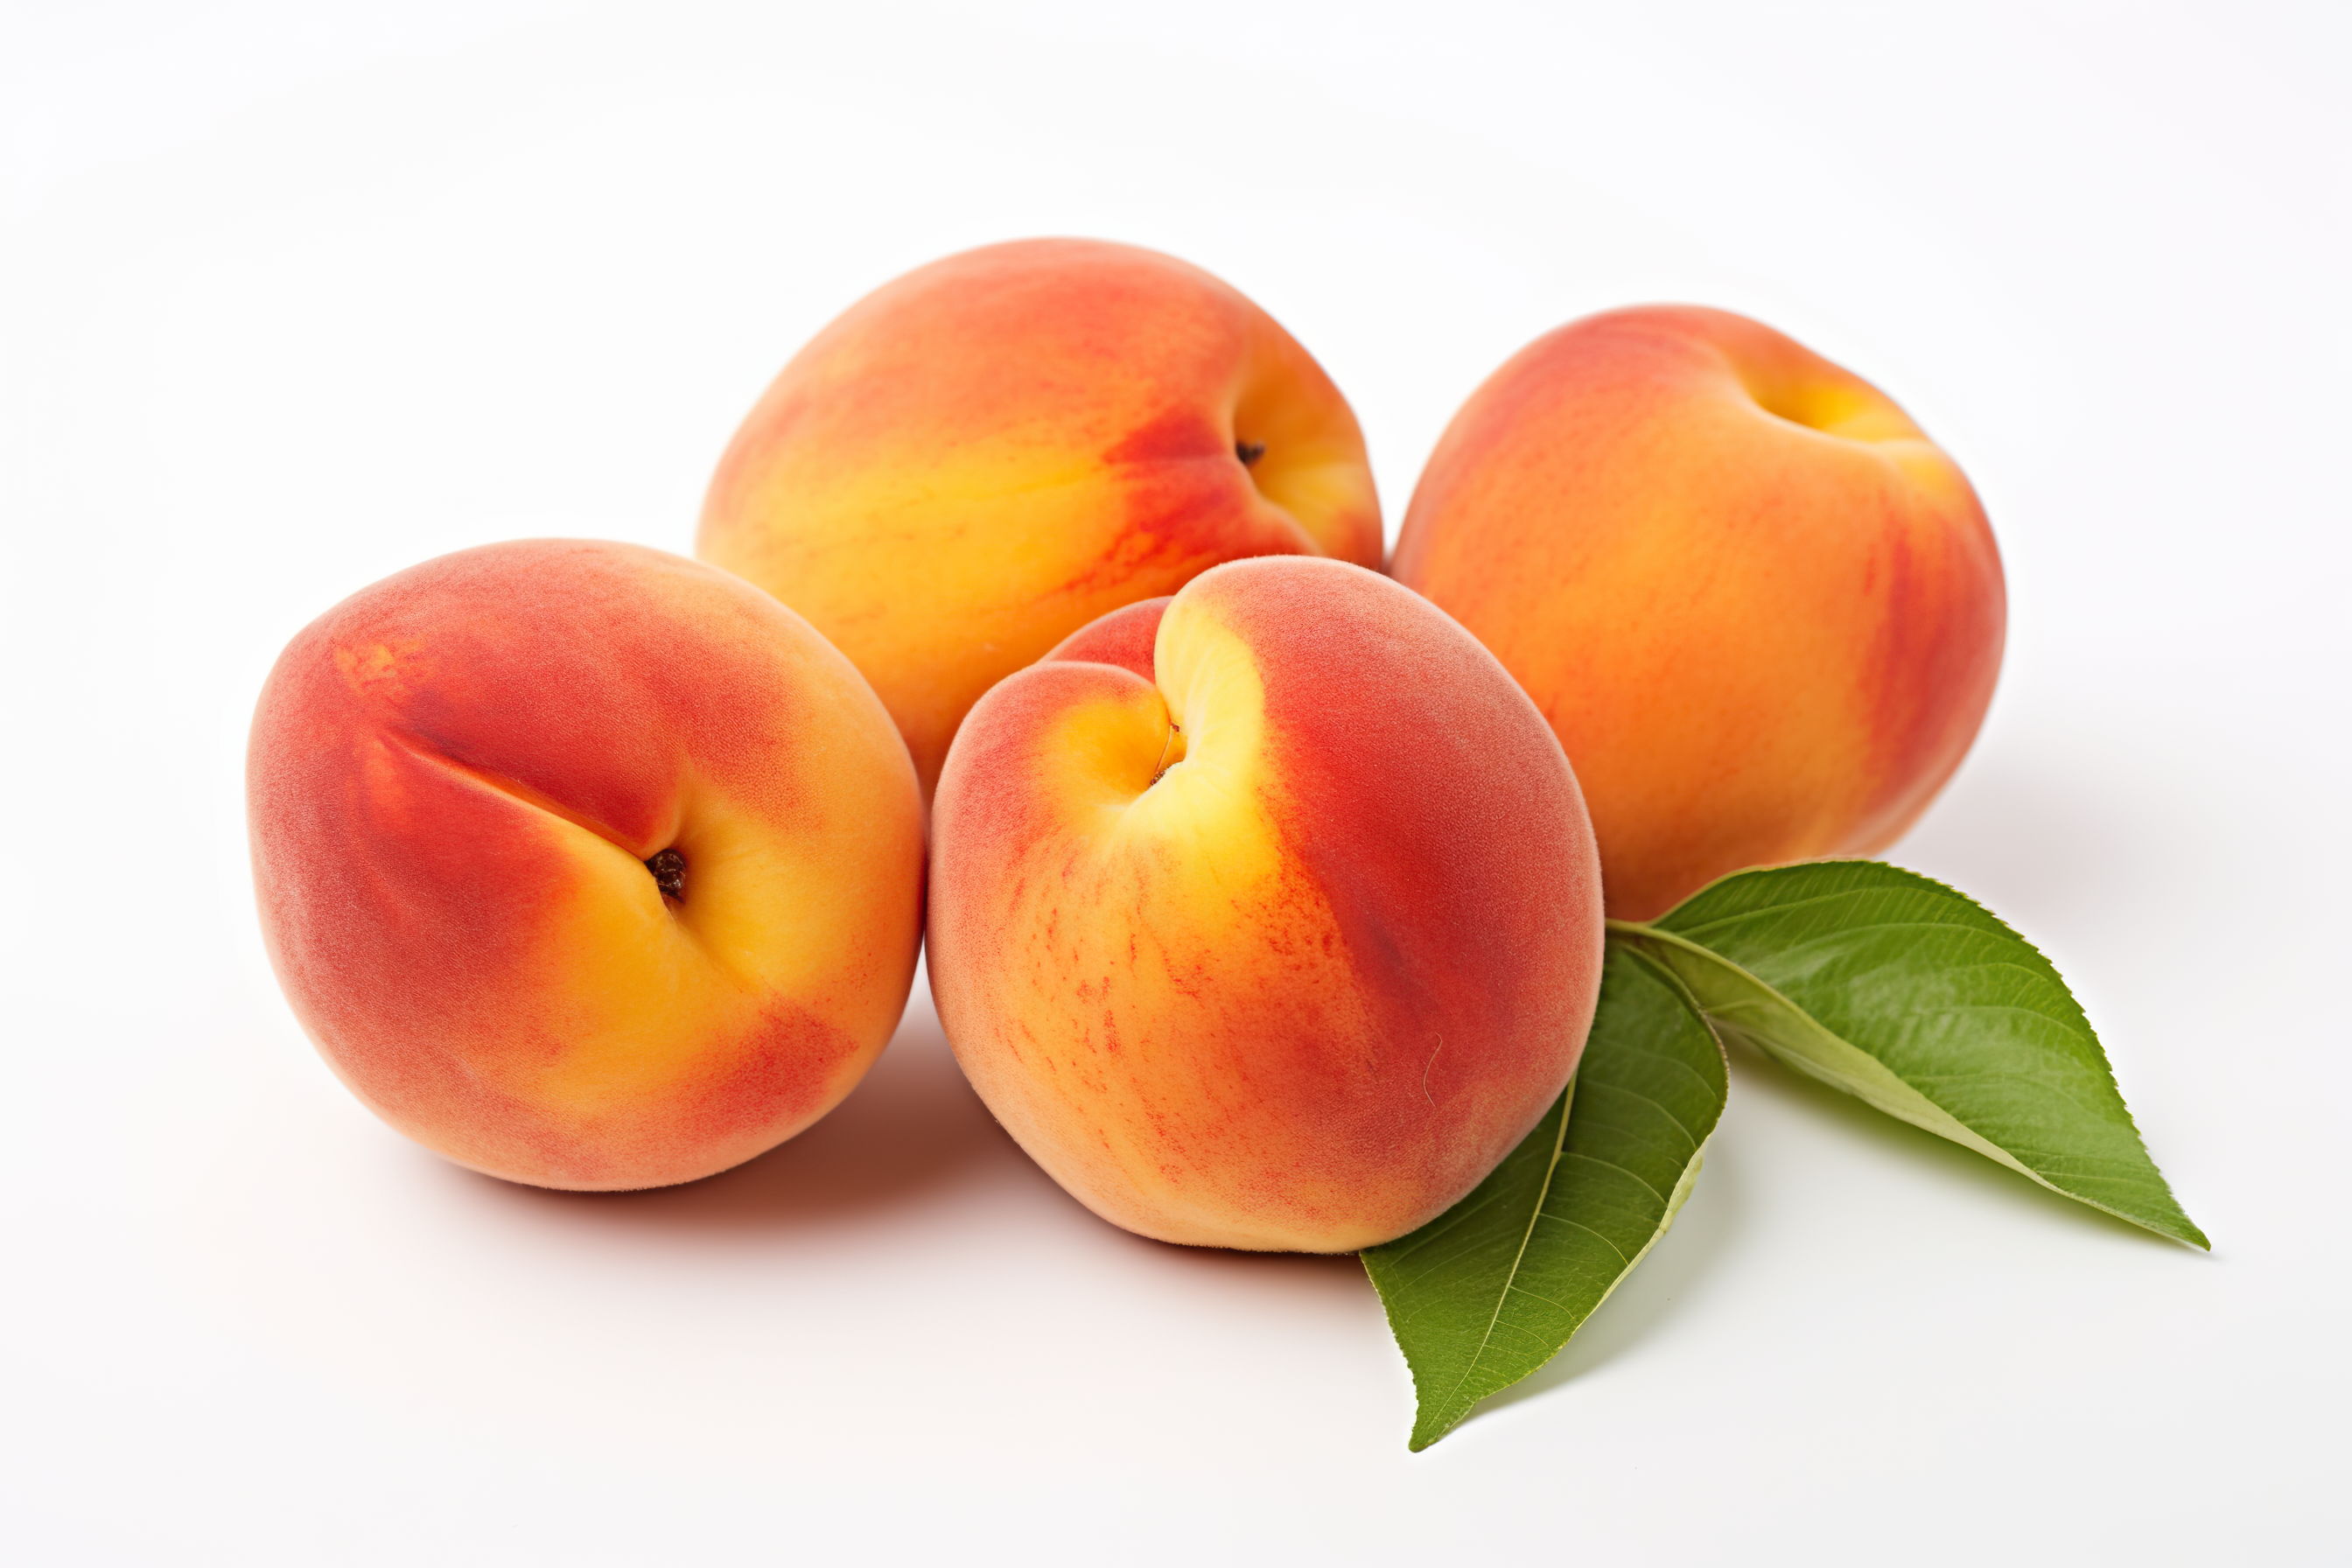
[461,785]
[978,459]
[1267,916]
[1762,610]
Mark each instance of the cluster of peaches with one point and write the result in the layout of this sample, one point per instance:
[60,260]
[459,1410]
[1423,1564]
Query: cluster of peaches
[1041,612]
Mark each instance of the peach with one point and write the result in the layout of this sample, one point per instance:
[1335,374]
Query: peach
[584,865]
[982,457]
[1763,613]
[1266,916]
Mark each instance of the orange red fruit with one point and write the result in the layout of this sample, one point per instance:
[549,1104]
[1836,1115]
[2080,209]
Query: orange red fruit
[584,864]
[1761,610]
[1267,917]
[982,457]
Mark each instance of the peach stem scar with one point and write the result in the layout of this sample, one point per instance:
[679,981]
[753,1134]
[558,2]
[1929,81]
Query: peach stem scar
[668,867]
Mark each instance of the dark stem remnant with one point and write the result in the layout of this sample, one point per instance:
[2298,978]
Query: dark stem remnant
[669,873]
[1249,452]
[1159,768]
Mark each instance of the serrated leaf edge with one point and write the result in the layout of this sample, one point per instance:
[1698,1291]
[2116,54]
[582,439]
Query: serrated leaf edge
[1846,1066]
[1502,1298]
[1673,1200]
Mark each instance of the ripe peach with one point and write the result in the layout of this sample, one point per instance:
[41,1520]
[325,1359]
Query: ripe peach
[1267,916]
[584,865]
[1762,612]
[977,460]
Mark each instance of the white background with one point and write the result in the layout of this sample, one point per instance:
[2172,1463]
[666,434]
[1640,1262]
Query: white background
[289,300]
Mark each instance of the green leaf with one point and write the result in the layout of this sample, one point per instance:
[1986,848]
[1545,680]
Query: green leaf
[1908,994]
[1491,1289]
